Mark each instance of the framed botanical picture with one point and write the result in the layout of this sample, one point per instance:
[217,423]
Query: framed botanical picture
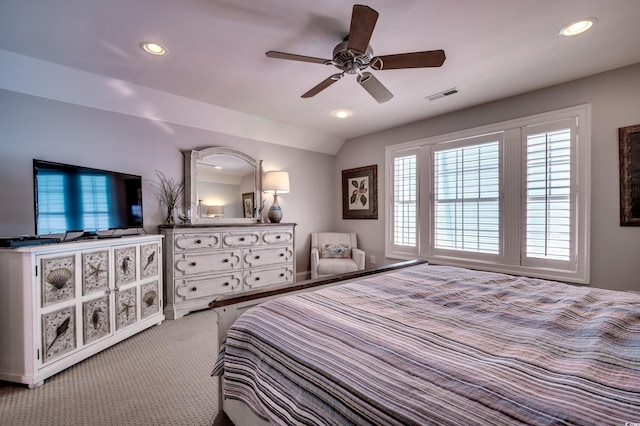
[629,146]
[360,193]
[248,204]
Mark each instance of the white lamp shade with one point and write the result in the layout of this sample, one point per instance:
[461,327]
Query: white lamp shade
[276,183]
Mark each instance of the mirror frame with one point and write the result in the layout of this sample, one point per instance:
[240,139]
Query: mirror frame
[191,159]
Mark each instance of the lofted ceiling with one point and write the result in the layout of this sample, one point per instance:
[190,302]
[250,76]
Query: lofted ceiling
[216,57]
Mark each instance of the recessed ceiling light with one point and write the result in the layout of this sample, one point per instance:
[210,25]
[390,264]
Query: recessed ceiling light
[341,113]
[577,27]
[153,48]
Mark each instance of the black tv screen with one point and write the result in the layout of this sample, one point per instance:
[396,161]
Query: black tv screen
[73,198]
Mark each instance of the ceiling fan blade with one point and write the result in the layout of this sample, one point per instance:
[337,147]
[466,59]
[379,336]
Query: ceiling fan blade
[292,57]
[430,58]
[323,85]
[363,21]
[374,87]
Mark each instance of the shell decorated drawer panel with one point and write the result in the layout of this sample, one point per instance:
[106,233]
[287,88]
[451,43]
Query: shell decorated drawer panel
[264,256]
[58,279]
[216,261]
[198,241]
[197,287]
[256,278]
[240,238]
[277,237]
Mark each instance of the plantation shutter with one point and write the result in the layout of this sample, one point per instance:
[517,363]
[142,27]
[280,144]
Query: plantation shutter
[550,199]
[466,197]
[405,201]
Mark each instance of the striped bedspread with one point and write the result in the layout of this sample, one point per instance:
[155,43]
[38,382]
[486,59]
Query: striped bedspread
[439,345]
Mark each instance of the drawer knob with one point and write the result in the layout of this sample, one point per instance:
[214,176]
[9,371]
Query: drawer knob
[198,241]
[278,237]
[225,260]
[241,238]
[194,288]
[225,284]
[257,278]
[193,263]
[282,274]
[257,257]
[281,254]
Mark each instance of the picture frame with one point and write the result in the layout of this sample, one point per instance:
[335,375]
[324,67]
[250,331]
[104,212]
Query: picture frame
[248,204]
[629,147]
[360,193]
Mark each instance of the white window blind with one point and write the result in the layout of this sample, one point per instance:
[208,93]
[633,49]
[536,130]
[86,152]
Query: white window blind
[466,198]
[405,198]
[550,193]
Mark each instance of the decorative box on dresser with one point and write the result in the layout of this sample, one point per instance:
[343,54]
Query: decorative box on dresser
[203,261]
[61,303]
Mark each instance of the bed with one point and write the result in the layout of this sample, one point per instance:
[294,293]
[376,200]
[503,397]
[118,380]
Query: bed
[436,345]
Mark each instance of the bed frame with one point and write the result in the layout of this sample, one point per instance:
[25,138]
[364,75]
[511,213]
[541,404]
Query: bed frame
[228,308]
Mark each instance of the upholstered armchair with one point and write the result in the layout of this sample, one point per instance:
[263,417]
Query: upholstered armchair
[335,253]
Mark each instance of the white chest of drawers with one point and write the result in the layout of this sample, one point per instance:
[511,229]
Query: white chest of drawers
[204,261]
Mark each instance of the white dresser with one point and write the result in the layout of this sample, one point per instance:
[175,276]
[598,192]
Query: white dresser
[203,261]
[61,303]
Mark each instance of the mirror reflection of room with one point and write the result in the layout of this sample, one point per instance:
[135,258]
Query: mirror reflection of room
[222,181]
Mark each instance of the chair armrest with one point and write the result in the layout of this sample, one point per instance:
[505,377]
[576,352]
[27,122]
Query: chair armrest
[315,258]
[358,256]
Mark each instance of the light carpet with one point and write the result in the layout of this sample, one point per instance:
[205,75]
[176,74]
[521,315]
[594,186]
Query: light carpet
[160,376]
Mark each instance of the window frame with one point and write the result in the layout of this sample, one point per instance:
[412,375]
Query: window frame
[464,143]
[512,194]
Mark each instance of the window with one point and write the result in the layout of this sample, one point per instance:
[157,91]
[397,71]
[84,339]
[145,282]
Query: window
[466,198]
[405,199]
[510,197]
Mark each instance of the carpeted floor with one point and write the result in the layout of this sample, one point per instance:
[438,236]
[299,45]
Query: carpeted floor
[161,376]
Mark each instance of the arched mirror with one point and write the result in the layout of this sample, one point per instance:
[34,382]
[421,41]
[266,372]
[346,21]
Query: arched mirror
[221,186]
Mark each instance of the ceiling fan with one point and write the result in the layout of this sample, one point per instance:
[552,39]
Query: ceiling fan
[354,55]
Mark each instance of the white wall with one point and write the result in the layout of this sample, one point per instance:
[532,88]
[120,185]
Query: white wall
[33,127]
[615,100]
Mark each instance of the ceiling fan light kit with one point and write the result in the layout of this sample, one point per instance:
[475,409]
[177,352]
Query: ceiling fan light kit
[354,55]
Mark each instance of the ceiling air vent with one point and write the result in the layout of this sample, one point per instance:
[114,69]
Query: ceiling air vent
[442,94]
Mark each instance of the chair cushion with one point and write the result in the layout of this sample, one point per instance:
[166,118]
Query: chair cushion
[335,251]
[336,266]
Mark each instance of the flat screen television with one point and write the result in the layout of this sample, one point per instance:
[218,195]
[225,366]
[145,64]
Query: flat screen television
[81,199]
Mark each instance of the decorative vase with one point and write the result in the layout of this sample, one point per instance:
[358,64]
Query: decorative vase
[171,219]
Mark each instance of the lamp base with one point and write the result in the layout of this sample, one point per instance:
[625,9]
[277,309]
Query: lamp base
[275,212]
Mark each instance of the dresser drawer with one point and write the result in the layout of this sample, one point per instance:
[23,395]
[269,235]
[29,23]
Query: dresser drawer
[194,288]
[265,277]
[240,238]
[197,241]
[217,261]
[277,237]
[265,256]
